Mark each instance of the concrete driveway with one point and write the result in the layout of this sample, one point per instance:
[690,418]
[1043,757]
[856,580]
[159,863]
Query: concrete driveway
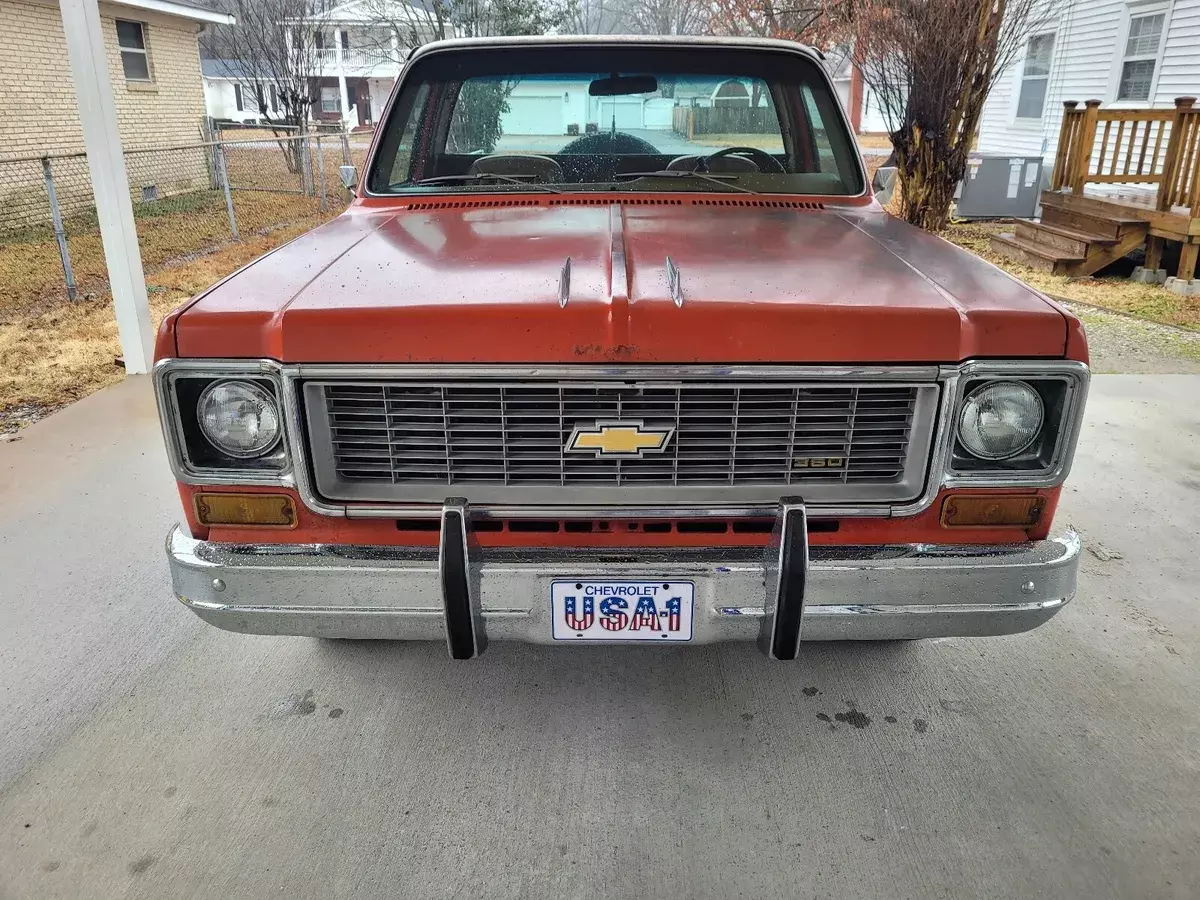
[144,754]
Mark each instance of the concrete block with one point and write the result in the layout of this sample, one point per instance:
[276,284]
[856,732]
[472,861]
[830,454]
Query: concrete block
[1160,275]
[1142,275]
[1183,288]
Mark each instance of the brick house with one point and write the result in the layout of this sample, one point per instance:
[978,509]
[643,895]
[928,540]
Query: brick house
[154,65]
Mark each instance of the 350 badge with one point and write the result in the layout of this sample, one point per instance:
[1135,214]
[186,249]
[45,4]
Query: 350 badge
[622,610]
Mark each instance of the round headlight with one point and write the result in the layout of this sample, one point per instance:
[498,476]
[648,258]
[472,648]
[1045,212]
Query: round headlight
[1000,419]
[238,418]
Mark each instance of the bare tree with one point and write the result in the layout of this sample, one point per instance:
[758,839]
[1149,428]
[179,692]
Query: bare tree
[413,23]
[272,52]
[594,17]
[932,64]
[815,22]
[666,16]
[419,21]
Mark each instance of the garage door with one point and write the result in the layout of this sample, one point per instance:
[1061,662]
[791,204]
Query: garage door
[533,115]
[628,113]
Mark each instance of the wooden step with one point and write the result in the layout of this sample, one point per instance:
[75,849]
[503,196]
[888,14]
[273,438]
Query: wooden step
[1095,206]
[1074,242]
[1035,255]
[1088,223]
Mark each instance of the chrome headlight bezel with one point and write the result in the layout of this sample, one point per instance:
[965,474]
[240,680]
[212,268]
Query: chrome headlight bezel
[195,459]
[1061,386]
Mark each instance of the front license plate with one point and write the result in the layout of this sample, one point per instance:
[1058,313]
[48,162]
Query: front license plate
[658,611]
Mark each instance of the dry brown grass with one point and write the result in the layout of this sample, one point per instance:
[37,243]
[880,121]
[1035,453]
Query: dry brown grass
[55,357]
[772,143]
[179,227]
[1151,302]
[874,142]
[266,163]
[872,163]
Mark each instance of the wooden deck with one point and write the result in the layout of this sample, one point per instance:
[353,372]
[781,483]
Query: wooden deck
[1151,160]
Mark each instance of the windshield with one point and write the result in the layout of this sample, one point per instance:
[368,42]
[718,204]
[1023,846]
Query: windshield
[633,119]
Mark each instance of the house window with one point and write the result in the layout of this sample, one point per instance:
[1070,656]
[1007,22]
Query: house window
[274,98]
[331,101]
[1141,56]
[131,39]
[237,97]
[1034,76]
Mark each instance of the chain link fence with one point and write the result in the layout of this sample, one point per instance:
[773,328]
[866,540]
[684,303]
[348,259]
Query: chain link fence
[188,201]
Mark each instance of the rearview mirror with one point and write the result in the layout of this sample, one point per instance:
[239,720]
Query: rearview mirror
[621,85]
[349,176]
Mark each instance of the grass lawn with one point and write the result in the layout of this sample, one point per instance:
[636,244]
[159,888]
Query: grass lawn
[772,143]
[31,274]
[51,358]
[265,164]
[1147,301]
[871,142]
[53,351]
[875,142]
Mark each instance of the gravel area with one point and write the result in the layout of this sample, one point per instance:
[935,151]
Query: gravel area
[1123,344]
[15,418]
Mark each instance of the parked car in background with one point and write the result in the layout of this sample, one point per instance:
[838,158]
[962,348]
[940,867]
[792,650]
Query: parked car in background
[675,379]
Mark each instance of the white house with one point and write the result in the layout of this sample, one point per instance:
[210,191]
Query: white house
[229,92]
[359,49]
[361,46]
[540,105]
[1131,54]
[862,106]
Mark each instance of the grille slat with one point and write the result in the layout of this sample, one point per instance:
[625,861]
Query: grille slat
[515,434]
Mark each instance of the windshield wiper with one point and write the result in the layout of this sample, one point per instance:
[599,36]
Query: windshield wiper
[487,176]
[722,180]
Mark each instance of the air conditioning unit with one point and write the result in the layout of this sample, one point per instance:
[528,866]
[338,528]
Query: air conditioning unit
[998,187]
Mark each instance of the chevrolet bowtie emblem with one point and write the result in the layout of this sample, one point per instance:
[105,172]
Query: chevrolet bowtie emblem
[628,439]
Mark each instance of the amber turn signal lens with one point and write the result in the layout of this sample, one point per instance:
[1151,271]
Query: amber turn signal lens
[268,510]
[961,511]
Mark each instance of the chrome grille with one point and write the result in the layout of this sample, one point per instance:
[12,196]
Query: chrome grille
[421,440]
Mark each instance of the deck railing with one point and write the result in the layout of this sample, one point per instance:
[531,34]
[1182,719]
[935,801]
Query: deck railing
[1132,146]
[357,59]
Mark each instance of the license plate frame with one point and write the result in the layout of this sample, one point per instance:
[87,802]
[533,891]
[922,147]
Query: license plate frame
[617,612]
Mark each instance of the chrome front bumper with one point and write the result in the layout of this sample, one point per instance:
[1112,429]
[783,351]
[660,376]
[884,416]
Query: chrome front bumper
[465,596]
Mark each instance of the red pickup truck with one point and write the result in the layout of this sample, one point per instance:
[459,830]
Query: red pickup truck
[614,344]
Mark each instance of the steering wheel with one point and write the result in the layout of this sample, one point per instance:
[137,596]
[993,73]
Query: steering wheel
[759,157]
[619,144]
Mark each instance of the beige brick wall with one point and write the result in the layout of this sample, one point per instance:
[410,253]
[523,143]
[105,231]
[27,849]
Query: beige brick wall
[38,112]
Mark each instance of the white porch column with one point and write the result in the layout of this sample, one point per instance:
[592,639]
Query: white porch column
[344,95]
[110,184]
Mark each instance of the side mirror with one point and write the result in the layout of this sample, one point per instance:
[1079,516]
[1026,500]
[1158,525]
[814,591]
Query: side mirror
[349,176]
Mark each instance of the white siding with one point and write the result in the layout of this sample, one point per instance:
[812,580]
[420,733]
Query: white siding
[220,102]
[1179,75]
[873,121]
[380,90]
[1085,64]
[842,86]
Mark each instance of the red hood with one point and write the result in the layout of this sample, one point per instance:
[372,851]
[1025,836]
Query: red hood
[470,284]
